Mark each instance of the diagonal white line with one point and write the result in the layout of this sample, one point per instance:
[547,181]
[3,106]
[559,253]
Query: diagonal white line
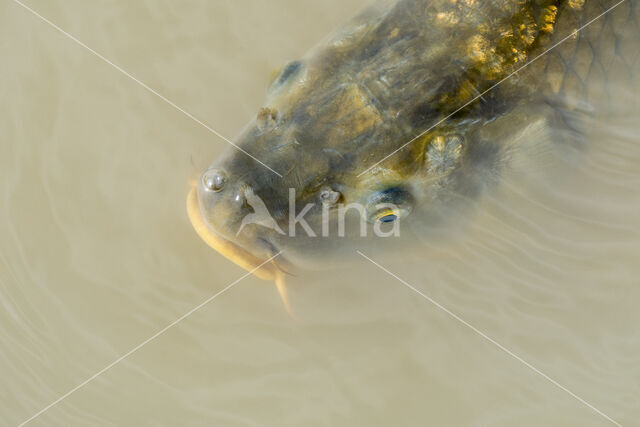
[144,85]
[494,86]
[491,340]
[143,343]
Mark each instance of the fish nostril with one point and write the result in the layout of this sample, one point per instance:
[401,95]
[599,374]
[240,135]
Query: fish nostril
[239,200]
[214,180]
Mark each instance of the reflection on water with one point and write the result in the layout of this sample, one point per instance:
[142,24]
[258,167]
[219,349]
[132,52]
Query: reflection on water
[97,254]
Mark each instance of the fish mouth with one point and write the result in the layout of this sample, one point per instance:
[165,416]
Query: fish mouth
[232,251]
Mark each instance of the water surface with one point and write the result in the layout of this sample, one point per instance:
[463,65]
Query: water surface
[97,254]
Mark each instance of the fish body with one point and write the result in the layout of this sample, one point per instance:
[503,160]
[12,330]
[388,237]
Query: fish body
[413,103]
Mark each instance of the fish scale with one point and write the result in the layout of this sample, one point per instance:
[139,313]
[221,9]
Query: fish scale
[601,55]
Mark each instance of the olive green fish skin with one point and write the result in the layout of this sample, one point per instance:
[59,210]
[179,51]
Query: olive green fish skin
[398,70]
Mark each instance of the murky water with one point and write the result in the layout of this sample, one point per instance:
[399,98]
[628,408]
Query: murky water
[97,255]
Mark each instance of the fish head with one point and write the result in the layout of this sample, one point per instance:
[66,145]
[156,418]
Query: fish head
[362,133]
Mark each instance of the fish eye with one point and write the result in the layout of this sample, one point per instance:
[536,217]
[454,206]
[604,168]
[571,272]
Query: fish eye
[389,205]
[386,216]
[214,180]
[289,70]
